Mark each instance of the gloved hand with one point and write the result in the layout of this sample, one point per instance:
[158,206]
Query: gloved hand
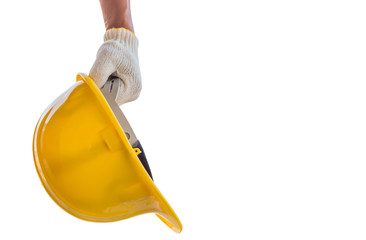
[117,57]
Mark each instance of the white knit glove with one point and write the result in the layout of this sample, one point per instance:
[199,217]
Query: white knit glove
[118,57]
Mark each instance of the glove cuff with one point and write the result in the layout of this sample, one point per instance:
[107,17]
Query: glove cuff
[122,35]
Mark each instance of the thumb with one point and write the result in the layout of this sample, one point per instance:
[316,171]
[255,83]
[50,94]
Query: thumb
[102,68]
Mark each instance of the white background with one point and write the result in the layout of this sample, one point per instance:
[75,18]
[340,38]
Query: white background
[252,115]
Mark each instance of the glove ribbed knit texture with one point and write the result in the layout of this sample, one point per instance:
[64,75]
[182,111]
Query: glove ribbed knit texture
[122,35]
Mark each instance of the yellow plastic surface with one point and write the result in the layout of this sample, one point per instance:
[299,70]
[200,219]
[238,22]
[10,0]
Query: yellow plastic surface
[87,165]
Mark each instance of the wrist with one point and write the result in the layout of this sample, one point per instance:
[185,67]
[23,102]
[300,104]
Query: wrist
[119,24]
[119,21]
[124,36]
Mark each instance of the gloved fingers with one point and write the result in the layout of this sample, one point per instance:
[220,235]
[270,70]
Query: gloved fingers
[130,89]
[104,68]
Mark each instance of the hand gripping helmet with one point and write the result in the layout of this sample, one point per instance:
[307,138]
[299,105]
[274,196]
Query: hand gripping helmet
[86,163]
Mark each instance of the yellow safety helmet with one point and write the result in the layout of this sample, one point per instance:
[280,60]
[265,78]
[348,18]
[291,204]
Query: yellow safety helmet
[86,163]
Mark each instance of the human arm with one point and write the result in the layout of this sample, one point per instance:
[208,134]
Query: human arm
[118,55]
[117,14]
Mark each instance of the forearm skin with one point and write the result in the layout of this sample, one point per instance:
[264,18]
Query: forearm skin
[117,14]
